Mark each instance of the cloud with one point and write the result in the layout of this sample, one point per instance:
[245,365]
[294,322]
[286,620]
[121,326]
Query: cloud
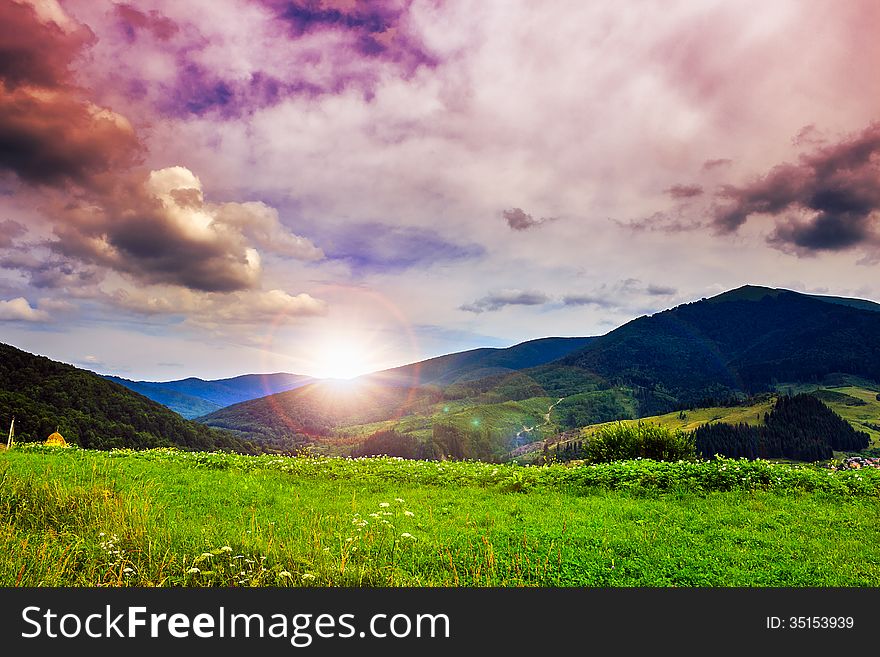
[20,310]
[627,293]
[133,21]
[162,230]
[708,165]
[153,226]
[50,134]
[517,219]
[661,222]
[53,271]
[91,361]
[660,290]
[37,44]
[498,300]
[372,30]
[257,53]
[9,230]
[378,247]
[588,300]
[214,310]
[828,201]
[684,191]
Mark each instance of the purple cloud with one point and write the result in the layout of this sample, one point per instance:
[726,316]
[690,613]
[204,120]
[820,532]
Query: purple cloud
[376,247]
[684,191]
[828,201]
[9,230]
[517,219]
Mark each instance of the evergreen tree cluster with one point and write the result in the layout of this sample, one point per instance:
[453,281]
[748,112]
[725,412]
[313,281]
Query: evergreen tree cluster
[573,450]
[800,428]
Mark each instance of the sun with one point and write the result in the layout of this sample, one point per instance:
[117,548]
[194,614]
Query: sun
[341,360]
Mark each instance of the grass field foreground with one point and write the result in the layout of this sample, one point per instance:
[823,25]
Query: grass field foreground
[71,517]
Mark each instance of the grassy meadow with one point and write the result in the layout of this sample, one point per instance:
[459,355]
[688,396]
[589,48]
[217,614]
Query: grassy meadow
[858,405]
[73,517]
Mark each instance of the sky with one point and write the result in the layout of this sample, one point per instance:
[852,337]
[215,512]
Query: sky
[329,187]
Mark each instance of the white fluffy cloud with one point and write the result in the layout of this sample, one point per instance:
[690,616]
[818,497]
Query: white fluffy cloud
[20,310]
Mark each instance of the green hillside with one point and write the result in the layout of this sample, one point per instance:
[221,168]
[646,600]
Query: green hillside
[859,406]
[90,411]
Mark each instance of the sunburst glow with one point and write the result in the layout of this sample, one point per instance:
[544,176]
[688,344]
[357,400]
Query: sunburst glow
[342,359]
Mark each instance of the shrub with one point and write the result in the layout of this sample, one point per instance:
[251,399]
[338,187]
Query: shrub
[620,442]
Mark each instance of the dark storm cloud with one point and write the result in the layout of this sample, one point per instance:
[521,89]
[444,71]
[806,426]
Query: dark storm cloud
[517,219]
[826,202]
[106,214]
[49,134]
[376,247]
[498,300]
[33,52]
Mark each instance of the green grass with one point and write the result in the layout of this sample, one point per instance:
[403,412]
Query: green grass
[166,518]
[855,404]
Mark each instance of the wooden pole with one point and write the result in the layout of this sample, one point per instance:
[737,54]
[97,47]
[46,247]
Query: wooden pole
[11,434]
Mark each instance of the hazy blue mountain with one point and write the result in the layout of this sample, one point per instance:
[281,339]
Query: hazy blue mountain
[193,397]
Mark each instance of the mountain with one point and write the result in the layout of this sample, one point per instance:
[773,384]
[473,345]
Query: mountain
[741,341]
[709,351]
[90,411]
[189,406]
[480,363]
[321,407]
[194,397]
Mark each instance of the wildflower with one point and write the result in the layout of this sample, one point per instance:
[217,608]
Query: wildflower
[407,535]
[226,548]
[194,570]
[308,577]
[207,555]
[409,513]
[398,499]
[285,573]
[127,570]
[384,504]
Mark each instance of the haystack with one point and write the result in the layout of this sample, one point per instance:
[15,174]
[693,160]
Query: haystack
[56,440]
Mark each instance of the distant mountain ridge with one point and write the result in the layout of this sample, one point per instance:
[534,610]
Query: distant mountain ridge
[317,408]
[479,363]
[712,350]
[193,397]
